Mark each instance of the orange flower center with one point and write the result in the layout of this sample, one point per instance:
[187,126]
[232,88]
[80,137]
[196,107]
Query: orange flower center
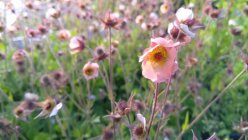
[158,56]
[88,71]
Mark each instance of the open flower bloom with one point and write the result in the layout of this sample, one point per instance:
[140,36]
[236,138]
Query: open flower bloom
[50,107]
[64,35]
[90,70]
[76,44]
[159,60]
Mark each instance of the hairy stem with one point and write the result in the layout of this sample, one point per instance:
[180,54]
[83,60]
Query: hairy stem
[165,99]
[155,99]
[110,71]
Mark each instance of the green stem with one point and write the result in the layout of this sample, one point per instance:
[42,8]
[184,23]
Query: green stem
[210,104]
[155,99]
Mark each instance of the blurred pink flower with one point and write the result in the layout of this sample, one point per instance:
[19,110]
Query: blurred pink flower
[32,33]
[64,35]
[77,44]
[19,56]
[90,70]
[159,60]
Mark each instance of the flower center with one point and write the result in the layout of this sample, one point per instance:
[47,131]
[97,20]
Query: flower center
[158,56]
[88,71]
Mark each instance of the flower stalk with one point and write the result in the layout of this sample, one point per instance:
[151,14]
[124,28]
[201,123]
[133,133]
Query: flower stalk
[154,104]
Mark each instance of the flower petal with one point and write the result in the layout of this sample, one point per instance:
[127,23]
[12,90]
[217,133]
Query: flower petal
[184,14]
[142,119]
[186,30]
[56,109]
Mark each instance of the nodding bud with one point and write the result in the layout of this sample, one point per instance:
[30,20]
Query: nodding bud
[115,43]
[82,5]
[60,78]
[29,4]
[236,31]
[27,106]
[110,20]
[52,13]
[45,80]
[189,22]
[19,57]
[138,106]
[114,117]
[139,19]
[99,53]
[31,33]
[77,44]
[123,108]
[214,13]
[191,61]
[42,29]
[139,132]
[174,31]
[194,87]
[107,134]
[169,108]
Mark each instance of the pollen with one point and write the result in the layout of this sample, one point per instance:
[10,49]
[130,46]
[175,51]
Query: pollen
[158,56]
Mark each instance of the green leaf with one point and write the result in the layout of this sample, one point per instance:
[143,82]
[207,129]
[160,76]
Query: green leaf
[186,122]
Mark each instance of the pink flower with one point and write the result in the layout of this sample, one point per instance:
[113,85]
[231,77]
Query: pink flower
[64,35]
[32,33]
[159,60]
[77,44]
[90,70]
